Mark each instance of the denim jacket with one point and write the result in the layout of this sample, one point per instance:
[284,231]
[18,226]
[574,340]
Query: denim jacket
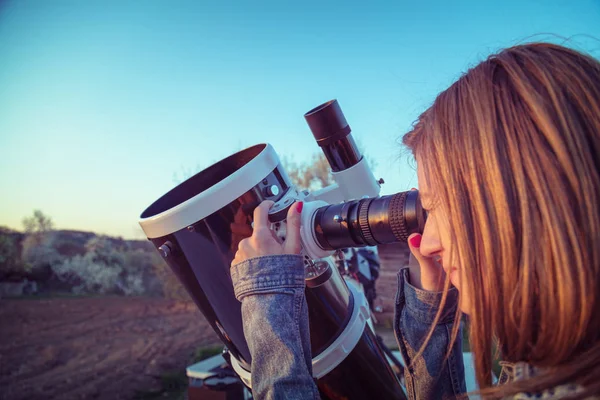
[431,376]
[275,321]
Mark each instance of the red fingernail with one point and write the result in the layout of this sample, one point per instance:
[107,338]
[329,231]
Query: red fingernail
[299,206]
[415,241]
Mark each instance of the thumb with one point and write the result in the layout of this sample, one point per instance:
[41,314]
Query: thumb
[424,272]
[292,243]
[414,244]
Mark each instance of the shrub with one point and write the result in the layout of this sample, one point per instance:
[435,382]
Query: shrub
[38,223]
[88,275]
[104,251]
[104,268]
[134,285]
[140,260]
[38,251]
[139,267]
[171,287]
[68,246]
[10,263]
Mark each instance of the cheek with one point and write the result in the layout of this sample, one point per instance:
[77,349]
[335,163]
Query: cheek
[465,295]
[450,254]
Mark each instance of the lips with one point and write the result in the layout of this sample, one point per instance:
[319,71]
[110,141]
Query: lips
[438,259]
[449,270]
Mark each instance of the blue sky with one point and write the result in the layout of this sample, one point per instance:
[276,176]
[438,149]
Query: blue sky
[103,102]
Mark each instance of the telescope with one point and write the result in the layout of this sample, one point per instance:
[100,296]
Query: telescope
[197,226]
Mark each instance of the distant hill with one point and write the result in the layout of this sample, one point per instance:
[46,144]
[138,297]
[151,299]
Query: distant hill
[70,242]
[35,260]
[76,241]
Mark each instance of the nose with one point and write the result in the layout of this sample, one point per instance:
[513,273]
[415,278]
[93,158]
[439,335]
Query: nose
[430,240]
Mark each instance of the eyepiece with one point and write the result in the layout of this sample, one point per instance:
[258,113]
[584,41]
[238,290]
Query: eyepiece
[332,133]
[369,222]
[327,123]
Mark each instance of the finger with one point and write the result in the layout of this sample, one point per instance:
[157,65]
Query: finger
[292,243]
[244,248]
[236,259]
[424,271]
[261,215]
[414,243]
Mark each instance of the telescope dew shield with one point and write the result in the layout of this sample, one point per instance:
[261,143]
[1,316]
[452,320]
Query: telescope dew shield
[198,225]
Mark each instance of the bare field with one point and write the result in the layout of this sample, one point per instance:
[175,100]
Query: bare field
[102,348]
[110,348]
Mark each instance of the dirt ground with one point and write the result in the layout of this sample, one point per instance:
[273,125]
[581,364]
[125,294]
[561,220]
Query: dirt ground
[86,348]
[110,348]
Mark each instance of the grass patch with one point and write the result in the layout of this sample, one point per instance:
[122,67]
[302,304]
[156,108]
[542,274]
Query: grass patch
[173,384]
[173,387]
[202,353]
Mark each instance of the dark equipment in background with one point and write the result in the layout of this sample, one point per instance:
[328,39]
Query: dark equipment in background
[198,225]
[361,264]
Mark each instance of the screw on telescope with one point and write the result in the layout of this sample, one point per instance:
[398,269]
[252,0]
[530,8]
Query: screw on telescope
[165,249]
[381,181]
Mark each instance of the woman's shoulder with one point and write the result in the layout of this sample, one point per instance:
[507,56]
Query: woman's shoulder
[521,371]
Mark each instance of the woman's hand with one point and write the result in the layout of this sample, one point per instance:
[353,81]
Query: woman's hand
[263,241]
[424,272]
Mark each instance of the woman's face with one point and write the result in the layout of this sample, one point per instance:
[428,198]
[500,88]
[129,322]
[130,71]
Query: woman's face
[436,239]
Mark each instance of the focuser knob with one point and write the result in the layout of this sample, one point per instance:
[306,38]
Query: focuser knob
[271,190]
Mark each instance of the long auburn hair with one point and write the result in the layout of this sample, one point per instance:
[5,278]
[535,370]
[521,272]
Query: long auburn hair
[513,151]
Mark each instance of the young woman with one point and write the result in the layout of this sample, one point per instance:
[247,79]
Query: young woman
[509,170]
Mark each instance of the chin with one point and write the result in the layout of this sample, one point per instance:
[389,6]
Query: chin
[465,309]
